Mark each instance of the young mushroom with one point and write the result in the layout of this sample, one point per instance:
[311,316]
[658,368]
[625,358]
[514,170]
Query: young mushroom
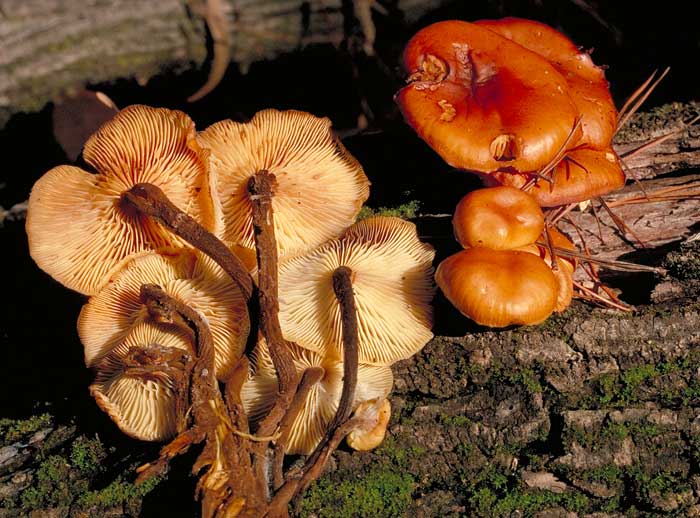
[319,190]
[483,102]
[391,275]
[70,205]
[499,218]
[376,413]
[498,288]
[190,277]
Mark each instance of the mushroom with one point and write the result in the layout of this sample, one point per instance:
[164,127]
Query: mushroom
[587,85]
[497,217]
[564,273]
[483,102]
[190,277]
[392,283]
[581,175]
[377,413]
[70,205]
[260,391]
[320,186]
[141,383]
[498,288]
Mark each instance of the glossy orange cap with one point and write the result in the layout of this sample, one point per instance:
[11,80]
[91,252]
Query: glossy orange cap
[482,102]
[497,217]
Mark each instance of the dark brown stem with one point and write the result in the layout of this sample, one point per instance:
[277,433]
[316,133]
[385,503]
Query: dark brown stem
[340,426]
[296,483]
[311,376]
[229,475]
[342,286]
[151,201]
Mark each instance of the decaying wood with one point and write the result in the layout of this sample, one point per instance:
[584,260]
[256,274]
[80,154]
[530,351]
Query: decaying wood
[50,46]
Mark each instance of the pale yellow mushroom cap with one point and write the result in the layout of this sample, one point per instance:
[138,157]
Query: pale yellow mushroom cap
[393,286]
[377,413]
[190,277]
[260,392]
[78,228]
[137,384]
[320,186]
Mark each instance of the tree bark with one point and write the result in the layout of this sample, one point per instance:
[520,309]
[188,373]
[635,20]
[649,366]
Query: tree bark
[50,47]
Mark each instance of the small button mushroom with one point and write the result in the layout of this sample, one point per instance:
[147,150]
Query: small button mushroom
[79,229]
[376,412]
[498,288]
[566,266]
[497,217]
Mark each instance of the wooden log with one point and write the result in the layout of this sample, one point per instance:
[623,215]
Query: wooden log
[50,46]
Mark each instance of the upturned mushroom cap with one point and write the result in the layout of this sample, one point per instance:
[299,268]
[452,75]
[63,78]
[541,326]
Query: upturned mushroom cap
[191,278]
[320,186]
[483,102]
[582,174]
[498,288]
[588,87]
[79,229]
[140,383]
[497,217]
[260,392]
[392,283]
[376,411]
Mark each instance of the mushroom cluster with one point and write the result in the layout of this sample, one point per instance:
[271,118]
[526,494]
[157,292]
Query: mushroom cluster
[176,235]
[515,102]
[502,277]
[520,105]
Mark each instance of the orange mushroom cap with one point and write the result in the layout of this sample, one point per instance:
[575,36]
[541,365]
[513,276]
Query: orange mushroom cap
[497,217]
[78,229]
[498,288]
[581,175]
[483,102]
[564,274]
[588,87]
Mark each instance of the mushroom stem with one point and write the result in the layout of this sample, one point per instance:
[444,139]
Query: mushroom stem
[299,480]
[340,426]
[228,475]
[150,200]
[342,286]
[261,187]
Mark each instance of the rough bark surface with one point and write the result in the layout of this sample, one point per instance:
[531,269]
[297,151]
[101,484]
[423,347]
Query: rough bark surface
[50,47]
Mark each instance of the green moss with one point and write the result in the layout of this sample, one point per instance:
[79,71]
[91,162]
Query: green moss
[87,454]
[407,210]
[55,485]
[609,474]
[684,264]
[117,492]
[529,379]
[398,456]
[530,502]
[12,430]
[457,421]
[382,493]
